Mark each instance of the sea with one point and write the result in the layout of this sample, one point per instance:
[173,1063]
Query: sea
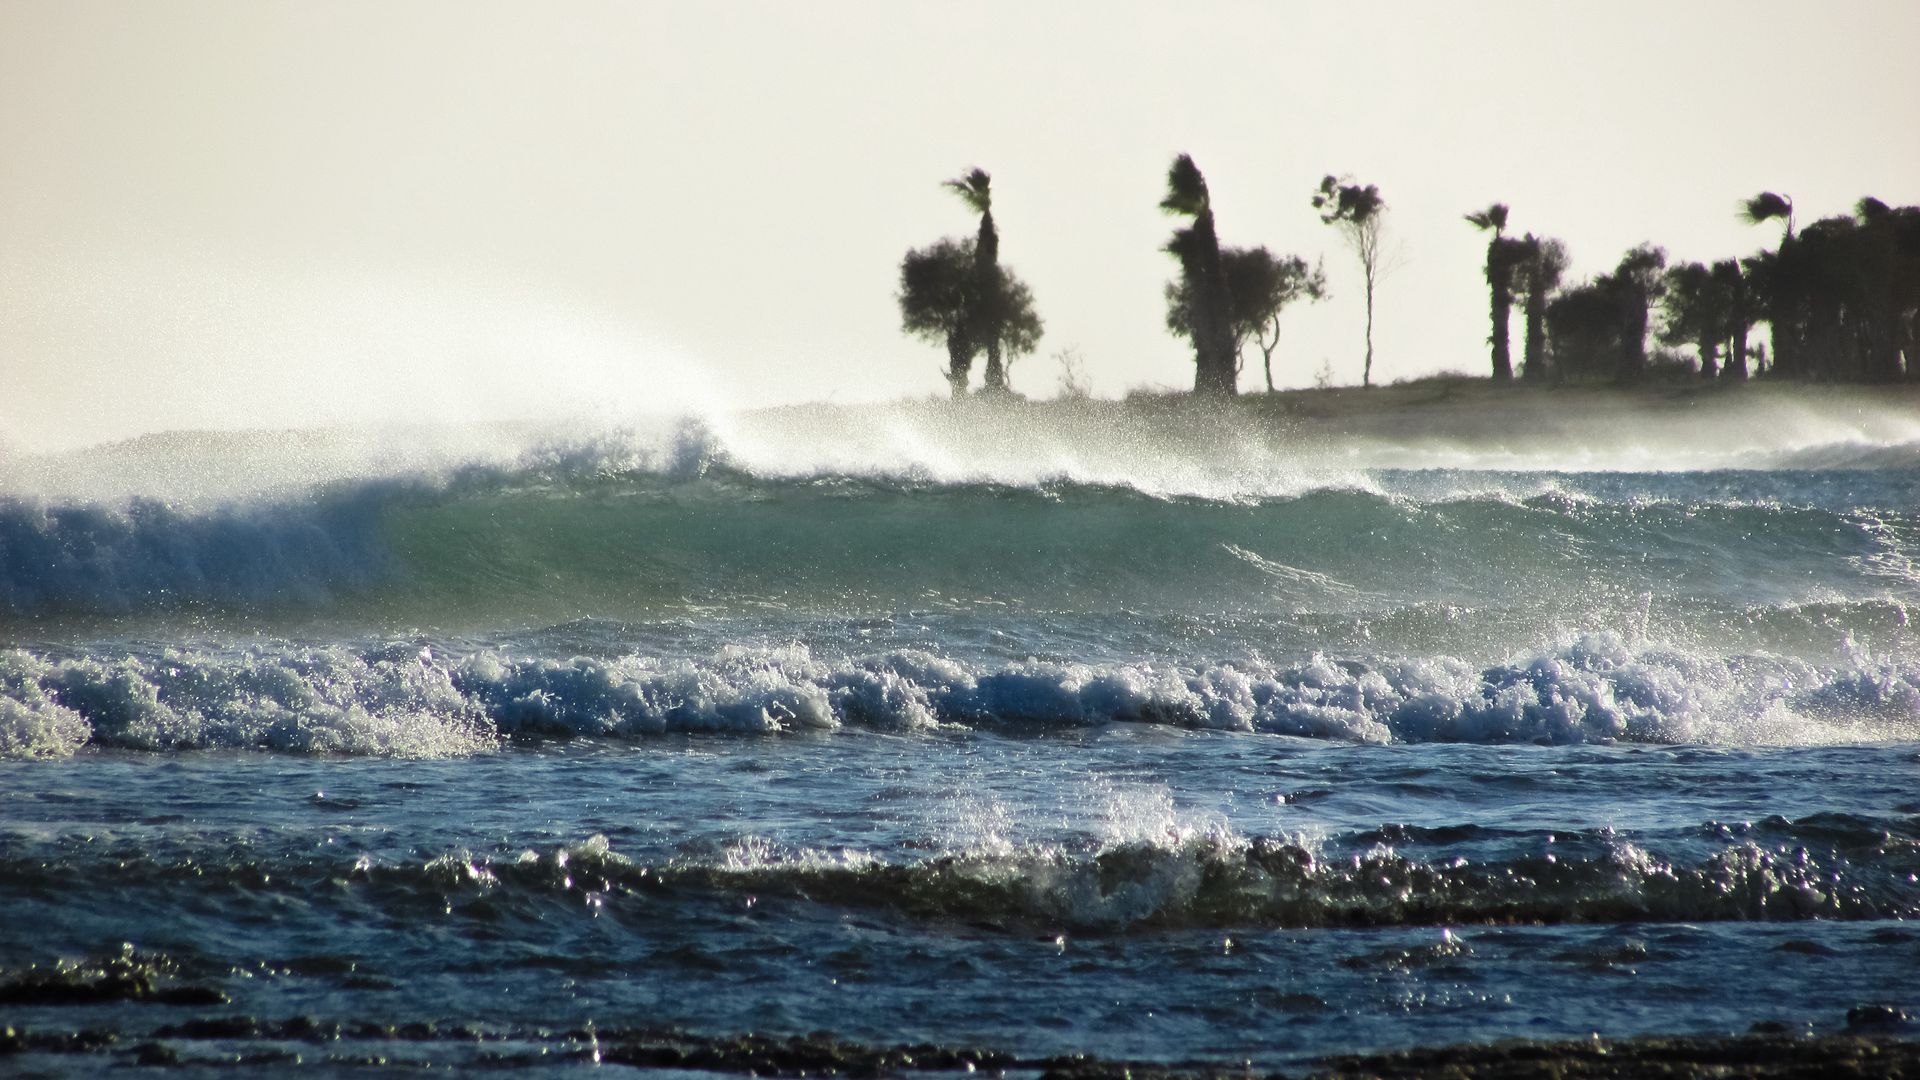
[1144,732]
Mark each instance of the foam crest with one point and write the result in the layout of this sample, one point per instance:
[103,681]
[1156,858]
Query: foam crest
[405,700]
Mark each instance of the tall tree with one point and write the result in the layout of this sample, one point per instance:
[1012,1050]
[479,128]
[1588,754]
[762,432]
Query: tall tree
[1636,283]
[1543,263]
[1260,285]
[1504,256]
[1360,215]
[1203,276]
[1764,207]
[975,188]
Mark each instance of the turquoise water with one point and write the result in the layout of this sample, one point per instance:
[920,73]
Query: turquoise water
[1168,748]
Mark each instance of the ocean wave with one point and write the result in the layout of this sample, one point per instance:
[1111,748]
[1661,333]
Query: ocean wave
[1192,879]
[406,700]
[630,530]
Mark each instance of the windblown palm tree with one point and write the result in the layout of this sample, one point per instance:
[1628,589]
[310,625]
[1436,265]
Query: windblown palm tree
[1503,256]
[1767,206]
[975,189]
[1203,278]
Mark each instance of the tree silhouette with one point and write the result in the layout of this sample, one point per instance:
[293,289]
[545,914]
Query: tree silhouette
[1768,206]
[1203,278]
[941,300]
[1017,326]
[1584,328]
[937,286]
[975,189]
[1733,284]
[1843,296]
[1504,257]
[1699,311]
[1542,264]
[1360,215]
[1599,329]
[1636,283]
[1764,207]
[1259,287]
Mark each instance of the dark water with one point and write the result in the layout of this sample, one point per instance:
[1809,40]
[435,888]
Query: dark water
[1214,760]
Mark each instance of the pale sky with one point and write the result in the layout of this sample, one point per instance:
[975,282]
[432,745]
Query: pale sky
[258,213]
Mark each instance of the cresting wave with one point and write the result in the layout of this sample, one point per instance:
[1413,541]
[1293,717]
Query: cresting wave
[1773,870]
[621,529]
[409,701]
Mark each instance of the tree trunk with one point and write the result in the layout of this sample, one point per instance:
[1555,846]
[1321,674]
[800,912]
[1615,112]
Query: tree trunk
[986,328]
[1500,290]
[959,364]
[996,373]
[1502,354]
[1213,368]
[1534,364]
[1266,351]
[1736,368]
[1366,372]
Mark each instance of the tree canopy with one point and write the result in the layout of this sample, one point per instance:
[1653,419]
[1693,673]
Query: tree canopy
[1260,285]
[943,299]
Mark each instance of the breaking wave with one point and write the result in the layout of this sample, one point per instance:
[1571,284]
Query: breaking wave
[622,528]
[408,700]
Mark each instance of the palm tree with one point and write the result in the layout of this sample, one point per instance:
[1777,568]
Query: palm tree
[1203,277]
[1503,256]
[1768,206]
[975,189]
[1543,263]
[1360,215]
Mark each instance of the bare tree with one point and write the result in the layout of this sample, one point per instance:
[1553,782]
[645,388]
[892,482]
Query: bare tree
[1360,215]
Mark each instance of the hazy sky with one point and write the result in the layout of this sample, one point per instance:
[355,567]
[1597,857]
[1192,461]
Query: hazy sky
[264,213]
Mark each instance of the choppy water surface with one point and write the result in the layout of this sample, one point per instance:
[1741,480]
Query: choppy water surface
[1161,749]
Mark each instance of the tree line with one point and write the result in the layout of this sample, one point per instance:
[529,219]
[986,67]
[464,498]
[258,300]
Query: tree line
[1841,298]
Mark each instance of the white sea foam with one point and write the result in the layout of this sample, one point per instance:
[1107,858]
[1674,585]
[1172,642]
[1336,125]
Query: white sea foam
[404,701]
